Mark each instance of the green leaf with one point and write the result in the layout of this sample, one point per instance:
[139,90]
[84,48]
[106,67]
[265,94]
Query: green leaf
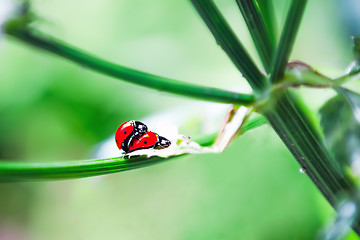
[340,120]
[230,43]
[356,49]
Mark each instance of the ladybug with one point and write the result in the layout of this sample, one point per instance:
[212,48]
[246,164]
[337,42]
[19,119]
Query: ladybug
[148,140]
[127,131]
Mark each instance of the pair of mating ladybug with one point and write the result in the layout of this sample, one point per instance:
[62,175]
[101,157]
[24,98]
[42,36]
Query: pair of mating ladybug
[134,135]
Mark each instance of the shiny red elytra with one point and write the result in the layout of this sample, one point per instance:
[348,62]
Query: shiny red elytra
[127,131]
[148,140]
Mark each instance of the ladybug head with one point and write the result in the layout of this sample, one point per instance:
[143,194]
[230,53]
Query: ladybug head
[163,142]
[140,128]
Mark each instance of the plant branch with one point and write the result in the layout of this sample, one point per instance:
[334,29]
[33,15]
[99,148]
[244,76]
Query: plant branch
[229,43]
[258,31]
[21,171]
[24,171]
[71,53]
[266,10]
[292,123]
[287,39]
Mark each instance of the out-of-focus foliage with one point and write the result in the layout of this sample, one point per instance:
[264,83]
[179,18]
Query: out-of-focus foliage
[340,118]
[51,109]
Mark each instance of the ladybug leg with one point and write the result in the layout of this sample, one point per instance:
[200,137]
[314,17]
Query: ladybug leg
[159,145]
[126,143]
[137,135]
[162,143]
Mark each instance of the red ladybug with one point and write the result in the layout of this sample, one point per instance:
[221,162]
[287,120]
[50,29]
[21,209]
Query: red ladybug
[127,131]
[148,140]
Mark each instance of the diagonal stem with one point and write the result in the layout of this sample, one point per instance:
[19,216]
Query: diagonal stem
[266,10]
[229,43]
[291,122]
[258,31]
[287,39]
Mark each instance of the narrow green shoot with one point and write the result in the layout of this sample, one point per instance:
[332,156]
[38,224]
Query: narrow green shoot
[258,31]
[266,10]
[24,171]
[287,39]
[21,171]
[59,48]
[226,38]
[253,123]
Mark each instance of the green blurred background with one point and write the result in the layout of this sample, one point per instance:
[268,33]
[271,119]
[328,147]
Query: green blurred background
[54,110]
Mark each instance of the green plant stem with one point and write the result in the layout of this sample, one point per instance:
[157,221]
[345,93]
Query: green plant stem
[226,38]
[253,123]
[127,74]
[266,9]
[24,171]
[291,122]
[258,31]
[20,171]
[287,39]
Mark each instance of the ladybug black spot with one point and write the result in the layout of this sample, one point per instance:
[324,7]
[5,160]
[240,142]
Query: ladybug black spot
[117,142]
[145,142]
[124,132]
